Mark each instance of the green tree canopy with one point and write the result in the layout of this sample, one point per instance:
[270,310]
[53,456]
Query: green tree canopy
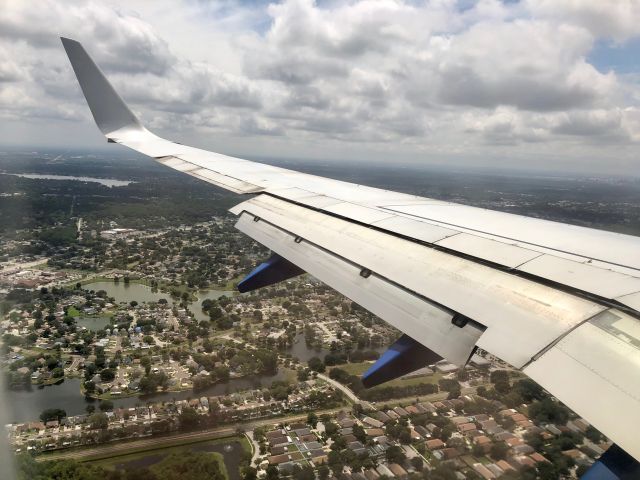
[52,414]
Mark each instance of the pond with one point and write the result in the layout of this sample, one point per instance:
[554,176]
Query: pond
[300,350]
[231,453]
[196,306]
[93,323]
[127,292]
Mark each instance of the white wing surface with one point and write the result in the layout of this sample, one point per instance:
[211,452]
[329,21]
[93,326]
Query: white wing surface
[560,302]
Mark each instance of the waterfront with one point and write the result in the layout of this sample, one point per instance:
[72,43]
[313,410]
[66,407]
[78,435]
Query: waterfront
[128,292]
[26,405]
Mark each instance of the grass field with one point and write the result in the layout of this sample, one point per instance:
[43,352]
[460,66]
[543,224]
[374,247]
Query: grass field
[360,368]
[149,456]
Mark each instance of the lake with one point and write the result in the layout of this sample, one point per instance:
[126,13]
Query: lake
[25,406]
[108,182]
[124,292]
[127,292]
[300,350]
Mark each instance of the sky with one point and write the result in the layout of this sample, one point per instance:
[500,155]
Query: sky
[550,84]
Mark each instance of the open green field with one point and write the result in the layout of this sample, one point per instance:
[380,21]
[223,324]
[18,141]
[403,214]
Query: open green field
[360,368]
[147,457]
[354,368]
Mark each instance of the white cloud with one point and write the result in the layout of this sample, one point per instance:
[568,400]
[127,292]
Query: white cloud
[616,19]
[361,78]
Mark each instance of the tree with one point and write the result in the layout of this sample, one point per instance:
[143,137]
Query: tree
[335,462]
[323,472]
[57,373]
[547,471]
[417,463]
[529,390]
[107,375]
[593,434]
[549,411]
[339,443]
[28,469]
[146,363]
[52,414]
[499,450]
[316,364]
[90,387]
[249,473]
[535,440]
[359,433]
[330,428]
[272,472]
[477,450]
[500,380]
[499,376]
[443,472]
[99,421]
[189,419]
[304,473]
[312,419]
[395,454]
[105,405]
[148,385]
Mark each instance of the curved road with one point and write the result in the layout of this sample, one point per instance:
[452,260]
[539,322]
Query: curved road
[344,389]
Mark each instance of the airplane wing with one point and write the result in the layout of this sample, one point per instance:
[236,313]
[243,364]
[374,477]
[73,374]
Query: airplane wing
[560,302]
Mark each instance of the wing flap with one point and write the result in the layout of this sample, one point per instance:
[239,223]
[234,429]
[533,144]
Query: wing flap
[529,314]
[582,276]
[425,322]
[594,370]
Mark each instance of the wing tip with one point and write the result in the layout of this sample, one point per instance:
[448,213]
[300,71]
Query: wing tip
[109,111]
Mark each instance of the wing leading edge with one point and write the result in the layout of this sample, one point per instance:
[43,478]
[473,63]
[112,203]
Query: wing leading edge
[558,301]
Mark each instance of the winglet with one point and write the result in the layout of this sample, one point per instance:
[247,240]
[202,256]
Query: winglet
[109,110]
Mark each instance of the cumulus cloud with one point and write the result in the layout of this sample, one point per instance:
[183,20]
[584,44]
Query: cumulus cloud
[616,19]
[417,77]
